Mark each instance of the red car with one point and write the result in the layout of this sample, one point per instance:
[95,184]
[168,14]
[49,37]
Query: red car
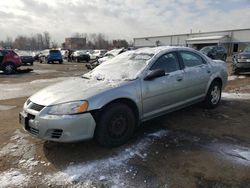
[9,61]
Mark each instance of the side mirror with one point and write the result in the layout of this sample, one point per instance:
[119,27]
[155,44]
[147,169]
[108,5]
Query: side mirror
[155,74]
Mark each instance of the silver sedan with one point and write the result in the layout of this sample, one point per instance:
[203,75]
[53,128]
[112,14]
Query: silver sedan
[109,102]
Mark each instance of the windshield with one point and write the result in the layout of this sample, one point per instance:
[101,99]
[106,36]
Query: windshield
[247,49]
[109,55]
[24,53]
[126,66]
[205,50]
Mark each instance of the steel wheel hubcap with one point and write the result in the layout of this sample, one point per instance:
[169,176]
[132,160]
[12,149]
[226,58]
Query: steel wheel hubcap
[215,93]
[118,126]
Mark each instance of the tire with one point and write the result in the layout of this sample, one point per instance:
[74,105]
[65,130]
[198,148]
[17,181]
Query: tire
[60,62]
[213,96]
[116,125]
[48,62]
[9,68]
[31,64]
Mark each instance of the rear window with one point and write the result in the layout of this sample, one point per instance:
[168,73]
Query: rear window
[54,51]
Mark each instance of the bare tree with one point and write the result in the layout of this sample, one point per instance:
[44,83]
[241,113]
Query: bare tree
[47,39]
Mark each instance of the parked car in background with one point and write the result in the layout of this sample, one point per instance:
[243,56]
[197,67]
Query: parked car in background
[111,54]
[9,61]
[26,57]
[241,61]
[109,102]
[43,56]
[215,52]
[96,54]
[55,56]
[80,55]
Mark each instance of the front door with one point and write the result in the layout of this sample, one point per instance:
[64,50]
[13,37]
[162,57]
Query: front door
[162,93]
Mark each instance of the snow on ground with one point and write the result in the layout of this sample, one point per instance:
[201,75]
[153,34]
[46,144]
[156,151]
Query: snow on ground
[44,71]
[111,171]
[234,77]
[6,107]
[235,153]
[13,178]
[240,96]
[11,91]
[18,146]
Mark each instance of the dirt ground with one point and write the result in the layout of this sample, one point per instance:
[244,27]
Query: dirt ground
[192,147]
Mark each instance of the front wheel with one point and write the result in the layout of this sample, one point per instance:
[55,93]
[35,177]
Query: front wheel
[213,96]
[116,125]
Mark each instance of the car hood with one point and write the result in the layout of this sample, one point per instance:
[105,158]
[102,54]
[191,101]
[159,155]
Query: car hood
[244,55]
[71,90]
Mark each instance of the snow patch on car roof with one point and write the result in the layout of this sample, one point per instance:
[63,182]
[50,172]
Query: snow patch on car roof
[156,50]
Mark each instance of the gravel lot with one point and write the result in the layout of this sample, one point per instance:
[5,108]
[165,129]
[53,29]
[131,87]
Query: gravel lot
[192,147]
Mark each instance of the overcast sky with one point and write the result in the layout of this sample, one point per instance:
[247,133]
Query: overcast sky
[120,18]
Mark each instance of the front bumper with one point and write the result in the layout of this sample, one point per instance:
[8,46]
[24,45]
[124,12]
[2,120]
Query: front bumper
[63,128]
[242,64]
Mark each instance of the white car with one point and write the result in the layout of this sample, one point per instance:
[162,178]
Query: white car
[111,54]
[96,54]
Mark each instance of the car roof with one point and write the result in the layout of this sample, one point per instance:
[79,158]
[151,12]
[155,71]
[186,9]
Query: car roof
[160,49]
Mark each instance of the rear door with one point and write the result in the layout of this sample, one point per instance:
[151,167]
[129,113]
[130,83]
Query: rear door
[196,75]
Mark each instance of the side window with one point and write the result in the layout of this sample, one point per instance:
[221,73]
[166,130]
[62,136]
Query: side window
[191,59]
[167,62]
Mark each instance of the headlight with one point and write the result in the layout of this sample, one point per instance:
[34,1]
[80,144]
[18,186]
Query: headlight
[71,108]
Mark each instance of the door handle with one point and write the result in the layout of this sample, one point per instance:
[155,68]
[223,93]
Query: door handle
[179,79]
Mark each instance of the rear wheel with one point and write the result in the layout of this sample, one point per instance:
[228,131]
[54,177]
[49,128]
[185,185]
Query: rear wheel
[213,95]
[9,68]
[60,62]
[116,125]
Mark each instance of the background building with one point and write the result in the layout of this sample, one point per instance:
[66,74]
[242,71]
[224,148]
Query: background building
[233,40]
[74,43]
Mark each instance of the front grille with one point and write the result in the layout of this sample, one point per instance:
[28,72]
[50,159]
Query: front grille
[36,107]
[242,60]
[55,133]
[30,116]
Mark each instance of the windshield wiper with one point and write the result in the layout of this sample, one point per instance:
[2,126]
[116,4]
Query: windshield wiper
[85,77]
